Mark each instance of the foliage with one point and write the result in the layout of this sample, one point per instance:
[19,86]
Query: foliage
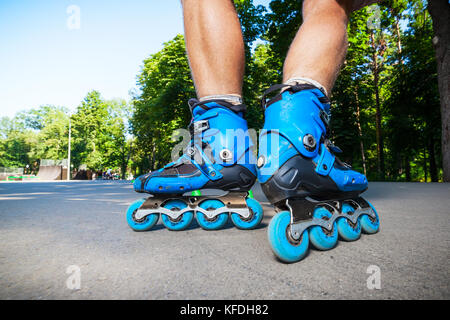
[98,135]
[161,106]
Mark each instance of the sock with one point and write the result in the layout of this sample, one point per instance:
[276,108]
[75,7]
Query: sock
[231,98]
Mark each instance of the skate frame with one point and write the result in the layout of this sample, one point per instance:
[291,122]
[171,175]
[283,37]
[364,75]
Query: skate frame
[302,213]
[234,202]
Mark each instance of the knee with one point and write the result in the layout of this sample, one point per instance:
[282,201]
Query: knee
[335,8]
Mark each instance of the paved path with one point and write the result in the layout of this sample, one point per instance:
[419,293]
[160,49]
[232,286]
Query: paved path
[46,227]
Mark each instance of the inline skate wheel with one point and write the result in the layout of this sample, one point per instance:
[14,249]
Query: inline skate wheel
[320,237]
[256,215]
[283,245]
[180,223]
[347,230]
[368,224]
[215,223]
[143,224]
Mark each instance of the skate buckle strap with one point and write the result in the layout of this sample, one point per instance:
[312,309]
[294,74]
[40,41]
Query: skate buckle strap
[294,88]
[325,162]
[216,103]
[273,88]
[198,126]
[325,117]
[204,163]
[333,148]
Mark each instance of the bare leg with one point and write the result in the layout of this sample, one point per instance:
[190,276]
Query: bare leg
[215,46]
[320,45]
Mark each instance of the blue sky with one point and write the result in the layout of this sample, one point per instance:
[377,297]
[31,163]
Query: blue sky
[44,61]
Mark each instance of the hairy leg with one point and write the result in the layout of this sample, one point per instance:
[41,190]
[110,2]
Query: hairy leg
[320,45]
[215,46]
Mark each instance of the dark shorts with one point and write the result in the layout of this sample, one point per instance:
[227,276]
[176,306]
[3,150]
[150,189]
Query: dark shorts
[358,4]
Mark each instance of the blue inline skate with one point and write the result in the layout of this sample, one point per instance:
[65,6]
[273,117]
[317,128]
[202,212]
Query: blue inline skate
[219,158]
[316,195]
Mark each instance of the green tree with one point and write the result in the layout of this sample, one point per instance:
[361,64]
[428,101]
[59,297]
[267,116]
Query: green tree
[161,105]
[16,143]
[51,124]
[99,133]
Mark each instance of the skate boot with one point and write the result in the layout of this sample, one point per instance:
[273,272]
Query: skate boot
[316,195]
[219,158]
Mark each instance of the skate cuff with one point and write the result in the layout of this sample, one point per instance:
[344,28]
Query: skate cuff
[301,80]
[217,103]
[295,86]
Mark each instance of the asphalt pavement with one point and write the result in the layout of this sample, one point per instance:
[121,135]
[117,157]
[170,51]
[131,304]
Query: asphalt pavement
[70,240]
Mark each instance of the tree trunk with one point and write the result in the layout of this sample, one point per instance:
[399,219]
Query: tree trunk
[399,164]
[440,13]
[432,161]
[152,158]
[380,143]
[425,169]
[358,122]
[379,136]
[407,169]
[396,26]
[127,161]
[399,42]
